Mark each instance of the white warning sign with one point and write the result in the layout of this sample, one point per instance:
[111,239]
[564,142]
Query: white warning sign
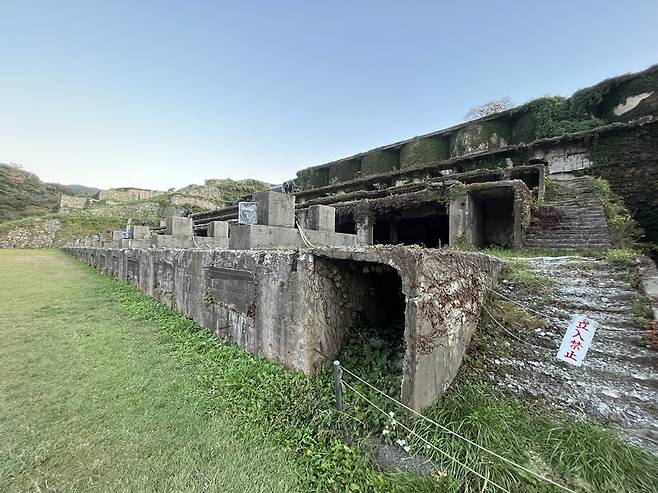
[577,340]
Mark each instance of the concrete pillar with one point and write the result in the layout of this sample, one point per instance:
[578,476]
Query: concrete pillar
[464,221]
[364,232]
[322,218]
[393,232]
[275,209]
[180,227]
[140,232]
[218,229]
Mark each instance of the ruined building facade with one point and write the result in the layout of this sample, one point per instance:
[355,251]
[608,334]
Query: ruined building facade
[362,236]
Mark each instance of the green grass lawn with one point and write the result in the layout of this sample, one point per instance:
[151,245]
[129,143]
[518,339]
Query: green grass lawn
[91,398]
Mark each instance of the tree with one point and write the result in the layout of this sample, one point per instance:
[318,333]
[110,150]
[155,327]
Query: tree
[489,108]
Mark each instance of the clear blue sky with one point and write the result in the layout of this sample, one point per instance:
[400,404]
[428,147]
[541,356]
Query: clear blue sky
[160,94]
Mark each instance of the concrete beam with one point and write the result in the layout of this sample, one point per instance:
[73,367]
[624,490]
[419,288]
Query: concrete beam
[255,237]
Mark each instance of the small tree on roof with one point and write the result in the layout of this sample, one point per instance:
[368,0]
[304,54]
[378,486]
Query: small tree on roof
[489,108]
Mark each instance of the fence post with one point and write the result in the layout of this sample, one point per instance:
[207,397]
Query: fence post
[338,389]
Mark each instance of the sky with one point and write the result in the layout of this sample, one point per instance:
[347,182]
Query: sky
[166,93]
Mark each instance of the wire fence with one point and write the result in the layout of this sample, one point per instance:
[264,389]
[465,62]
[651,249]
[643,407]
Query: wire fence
[340,384]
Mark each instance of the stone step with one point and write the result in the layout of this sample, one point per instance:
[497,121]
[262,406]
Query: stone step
[580,208]
[567,246]
[574,237]
[563,238]
[554,233]
[564,241]
[572,224]
[566,234]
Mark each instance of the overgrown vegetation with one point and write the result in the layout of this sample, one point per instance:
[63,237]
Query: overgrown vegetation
[79,223]
[624,230]
[299,413]
[623,258]
[626,261]
[27,204]
[518,271]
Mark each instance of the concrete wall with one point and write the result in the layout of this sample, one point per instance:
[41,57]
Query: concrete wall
[283,306]
[496,213]
[563,158]
[126,194]
[190,201]
[69,202]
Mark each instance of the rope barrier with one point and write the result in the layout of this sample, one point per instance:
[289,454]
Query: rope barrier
[448,430]
[427,442]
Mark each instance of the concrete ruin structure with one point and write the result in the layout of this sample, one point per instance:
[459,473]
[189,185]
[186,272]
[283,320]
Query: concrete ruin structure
[126,194]
[72,202]
[295,306]
[365,236]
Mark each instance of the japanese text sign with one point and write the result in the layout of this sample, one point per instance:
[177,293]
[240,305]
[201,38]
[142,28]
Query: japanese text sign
[577,340]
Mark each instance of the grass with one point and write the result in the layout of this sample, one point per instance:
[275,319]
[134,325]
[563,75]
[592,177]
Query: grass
[622,258]
[624,229]
[119,392]
[518,271]
[93,400]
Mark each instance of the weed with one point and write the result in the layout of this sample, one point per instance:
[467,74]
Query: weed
[208,298]
[519,272]
[623,258]
[624,230]
[641,309]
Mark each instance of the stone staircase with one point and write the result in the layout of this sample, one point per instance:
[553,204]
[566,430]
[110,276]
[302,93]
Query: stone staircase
[618,382]
[571,219]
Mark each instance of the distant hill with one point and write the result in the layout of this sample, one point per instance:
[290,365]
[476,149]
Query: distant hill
[30,216]
[23,194]
[83,190]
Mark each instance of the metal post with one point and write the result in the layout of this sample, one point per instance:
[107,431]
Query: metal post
[338,389]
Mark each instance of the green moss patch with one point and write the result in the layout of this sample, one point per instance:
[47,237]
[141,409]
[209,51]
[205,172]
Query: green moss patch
[376,162]
[344,171]
[423,151]
[480,137]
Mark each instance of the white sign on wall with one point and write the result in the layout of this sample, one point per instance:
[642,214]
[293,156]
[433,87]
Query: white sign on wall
[577,340]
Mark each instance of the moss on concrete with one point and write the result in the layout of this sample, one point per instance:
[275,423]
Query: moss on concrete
[315,177]
[628,160]
[423,151]
[479,137]
[344,171]
[618,93]
[382,161]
